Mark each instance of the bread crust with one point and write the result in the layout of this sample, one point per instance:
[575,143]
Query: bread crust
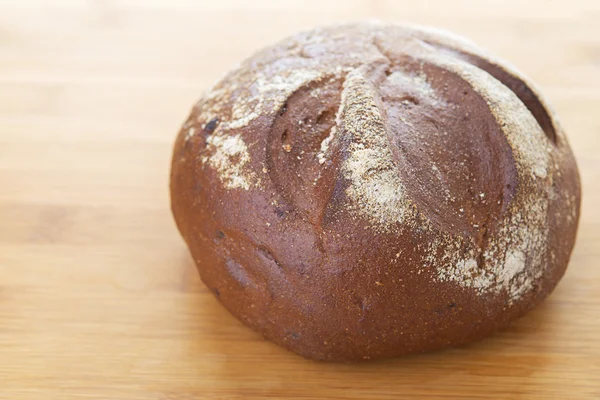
[370,190]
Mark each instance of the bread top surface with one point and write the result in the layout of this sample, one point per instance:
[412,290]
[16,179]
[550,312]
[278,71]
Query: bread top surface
[380,146]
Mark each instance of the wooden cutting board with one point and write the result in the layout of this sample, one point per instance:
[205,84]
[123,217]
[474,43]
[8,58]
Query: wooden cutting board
[98,296]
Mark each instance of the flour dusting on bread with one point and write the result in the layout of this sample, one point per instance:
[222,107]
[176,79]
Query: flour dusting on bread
[229,156]
[374,189]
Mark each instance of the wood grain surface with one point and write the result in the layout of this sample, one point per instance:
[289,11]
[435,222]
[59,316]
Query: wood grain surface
[98,296]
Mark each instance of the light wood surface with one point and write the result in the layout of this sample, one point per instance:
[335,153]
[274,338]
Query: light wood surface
[98,296]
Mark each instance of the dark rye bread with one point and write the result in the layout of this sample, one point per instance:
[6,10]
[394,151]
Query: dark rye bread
[370,190]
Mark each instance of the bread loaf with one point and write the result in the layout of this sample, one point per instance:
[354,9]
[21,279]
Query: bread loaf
[371,190]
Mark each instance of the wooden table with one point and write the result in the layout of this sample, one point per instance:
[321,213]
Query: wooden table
[98,296]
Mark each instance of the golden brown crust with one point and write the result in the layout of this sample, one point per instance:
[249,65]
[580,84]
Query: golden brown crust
[370,190]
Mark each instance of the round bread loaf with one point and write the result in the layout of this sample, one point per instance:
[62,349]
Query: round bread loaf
[371,190]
